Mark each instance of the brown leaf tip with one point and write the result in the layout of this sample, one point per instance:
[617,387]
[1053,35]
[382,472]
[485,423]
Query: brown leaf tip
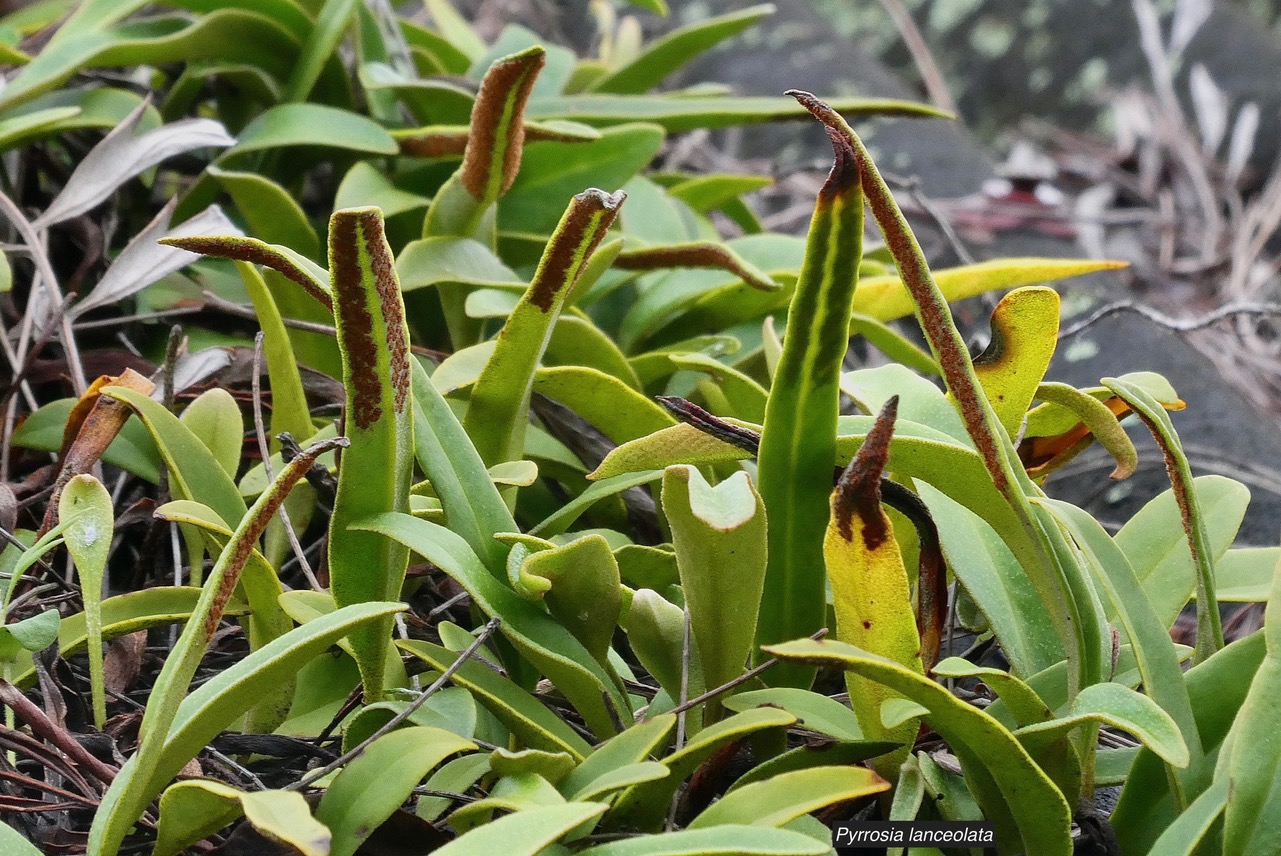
[581,229]
[845,169]
[858,493]
[503,93]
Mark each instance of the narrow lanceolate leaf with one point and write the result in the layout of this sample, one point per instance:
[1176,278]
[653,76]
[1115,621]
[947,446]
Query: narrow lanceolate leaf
[130,794]
[499,410]
[719,534]
[696,254]
[294,266]
[1025,329]
[88,540]
[375,471]
[1016,794]
[798,440]
[870,589]
[1209,636]
[1041,550]
[1251,758]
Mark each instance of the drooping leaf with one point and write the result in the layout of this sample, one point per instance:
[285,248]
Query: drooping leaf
[539,638]
[378,781]
[787,796]
[1028,804]
[293,266]
[193,810]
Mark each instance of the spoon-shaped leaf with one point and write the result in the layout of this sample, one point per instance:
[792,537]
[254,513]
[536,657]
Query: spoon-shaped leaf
[88,540]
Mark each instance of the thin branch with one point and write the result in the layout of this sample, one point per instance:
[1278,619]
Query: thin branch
[44,272]
[935,85]
[409,711]
[741,679]
[1177,325]
[264,451]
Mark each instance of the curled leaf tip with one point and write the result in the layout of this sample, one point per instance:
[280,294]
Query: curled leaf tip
[845,169]
[601,199]
[581,229]
[858,493]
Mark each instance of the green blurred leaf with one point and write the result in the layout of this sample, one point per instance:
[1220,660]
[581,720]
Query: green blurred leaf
[668,53]
[551,170]
[787,796]
[676,113]
[535,634]
[373,785]
[532,723]
[289,125]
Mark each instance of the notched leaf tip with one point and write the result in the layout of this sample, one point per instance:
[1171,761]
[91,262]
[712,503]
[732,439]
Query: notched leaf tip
[859,490]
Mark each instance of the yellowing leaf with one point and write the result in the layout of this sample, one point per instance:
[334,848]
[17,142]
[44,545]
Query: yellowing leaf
[870,588]
[1025,329]
[885,298]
